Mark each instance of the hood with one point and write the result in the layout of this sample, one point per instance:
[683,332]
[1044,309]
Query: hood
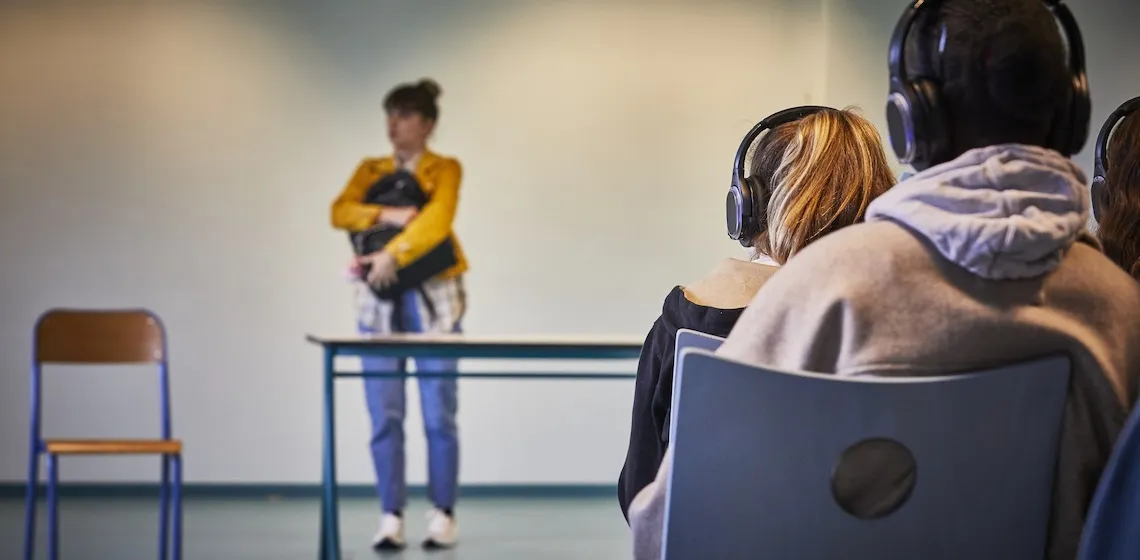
[1002,212]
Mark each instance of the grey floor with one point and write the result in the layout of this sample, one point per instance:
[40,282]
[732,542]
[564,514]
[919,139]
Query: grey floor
[286,529]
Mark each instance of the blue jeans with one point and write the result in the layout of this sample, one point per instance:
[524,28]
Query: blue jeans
[386,405]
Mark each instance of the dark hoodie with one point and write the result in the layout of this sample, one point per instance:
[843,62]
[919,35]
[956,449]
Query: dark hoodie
[710,306]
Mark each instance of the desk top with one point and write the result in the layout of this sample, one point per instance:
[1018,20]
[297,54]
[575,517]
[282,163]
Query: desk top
[469,341]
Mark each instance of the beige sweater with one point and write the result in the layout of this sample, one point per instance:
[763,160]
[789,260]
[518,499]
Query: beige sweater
[731,285]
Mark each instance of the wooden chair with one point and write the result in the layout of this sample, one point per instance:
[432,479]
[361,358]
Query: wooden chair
[102,337]
[774,464]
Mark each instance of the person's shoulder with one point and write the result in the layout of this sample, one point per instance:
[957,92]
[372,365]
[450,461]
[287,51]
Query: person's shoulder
[1088,256]
[441,161]
[851,268]
[376,164]
[678,312]
[659,340]
[730,285]
[858,254]
[1091,292]
[862,241]
[1086,269]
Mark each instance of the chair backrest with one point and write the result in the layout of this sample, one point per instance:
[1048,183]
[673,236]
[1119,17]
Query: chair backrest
[120,336]
[688,338]
[68,336]
[758,454]
[1112,530]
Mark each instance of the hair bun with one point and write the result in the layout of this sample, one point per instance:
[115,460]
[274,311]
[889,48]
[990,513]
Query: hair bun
[431,87]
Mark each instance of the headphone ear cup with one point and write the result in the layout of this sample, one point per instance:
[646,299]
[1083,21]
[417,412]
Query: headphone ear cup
[1062,132]
[932,134]
[917,123]
[1099,197]
[1079,115]
[1070,128]
[760,196]
[900,122]
[743,211]
[736,207]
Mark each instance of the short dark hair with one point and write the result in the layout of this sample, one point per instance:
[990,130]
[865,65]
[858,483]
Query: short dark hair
[1119,227]
[419,98]
[1002,66]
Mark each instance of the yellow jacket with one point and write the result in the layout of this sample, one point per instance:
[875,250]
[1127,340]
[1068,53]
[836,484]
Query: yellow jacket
[439,176]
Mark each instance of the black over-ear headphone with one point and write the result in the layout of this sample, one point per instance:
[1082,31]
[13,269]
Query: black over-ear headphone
[916,118]
[747,203]
[1100,156]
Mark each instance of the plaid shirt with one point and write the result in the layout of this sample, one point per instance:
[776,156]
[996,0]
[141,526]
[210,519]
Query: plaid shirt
[440,313]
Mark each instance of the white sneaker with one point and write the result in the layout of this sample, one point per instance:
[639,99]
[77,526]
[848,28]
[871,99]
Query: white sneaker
[443,532]
[391,533]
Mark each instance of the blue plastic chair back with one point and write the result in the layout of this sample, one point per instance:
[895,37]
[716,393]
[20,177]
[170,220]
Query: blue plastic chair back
[688,338]
[1112,530]
[756,450]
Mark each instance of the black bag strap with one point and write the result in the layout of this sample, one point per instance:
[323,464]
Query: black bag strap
[398,307]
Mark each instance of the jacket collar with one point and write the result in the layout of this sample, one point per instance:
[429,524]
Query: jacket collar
[427,160]
[424,162]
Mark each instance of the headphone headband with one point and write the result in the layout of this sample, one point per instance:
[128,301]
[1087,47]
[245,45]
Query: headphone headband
[896,65]
[1100,156]
[744,195]
[1100,187]
[768,123]
[1073,38]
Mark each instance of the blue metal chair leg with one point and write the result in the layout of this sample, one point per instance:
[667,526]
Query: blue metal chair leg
[30,499]
[176,492]
[53,506]
[164,510]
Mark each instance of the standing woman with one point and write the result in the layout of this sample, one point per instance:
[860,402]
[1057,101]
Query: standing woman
[434,306]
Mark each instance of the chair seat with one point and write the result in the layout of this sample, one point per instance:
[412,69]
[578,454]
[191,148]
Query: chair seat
[113,446]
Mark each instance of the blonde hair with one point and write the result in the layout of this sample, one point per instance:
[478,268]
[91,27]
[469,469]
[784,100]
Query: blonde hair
[822,172]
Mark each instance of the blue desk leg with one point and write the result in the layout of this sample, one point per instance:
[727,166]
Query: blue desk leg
[323,551]
[330,527]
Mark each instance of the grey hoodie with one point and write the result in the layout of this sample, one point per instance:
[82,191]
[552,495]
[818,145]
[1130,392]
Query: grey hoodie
[1001,212]
[975,263]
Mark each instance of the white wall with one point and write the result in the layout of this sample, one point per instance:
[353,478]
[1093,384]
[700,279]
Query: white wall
[1113,51]
[183,158]
[855,61]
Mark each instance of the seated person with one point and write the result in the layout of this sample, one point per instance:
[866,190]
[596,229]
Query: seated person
[1116,188]
[979,260]
[815,174]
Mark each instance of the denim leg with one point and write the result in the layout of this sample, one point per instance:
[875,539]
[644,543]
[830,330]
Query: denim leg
[385,398]
[386,405]
[439,401]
